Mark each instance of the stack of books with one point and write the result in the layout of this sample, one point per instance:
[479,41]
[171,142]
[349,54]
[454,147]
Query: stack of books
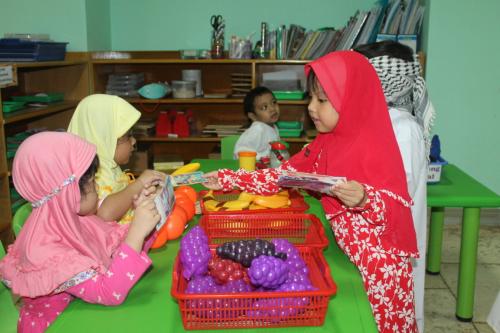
[241,84]
[222,130]
[167,163]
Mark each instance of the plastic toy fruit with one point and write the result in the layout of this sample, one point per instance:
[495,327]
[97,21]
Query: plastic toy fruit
[187,190]
[225,270]
[175,223]
[185,203]
[161,238]
[244,251]
[191,167]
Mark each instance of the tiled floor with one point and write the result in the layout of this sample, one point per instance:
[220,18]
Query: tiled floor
[440,293]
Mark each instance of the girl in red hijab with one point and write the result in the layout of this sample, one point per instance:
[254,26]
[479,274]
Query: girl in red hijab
[369,213]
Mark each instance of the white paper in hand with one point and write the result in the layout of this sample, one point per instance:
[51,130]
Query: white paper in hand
[165,201]
[308,181]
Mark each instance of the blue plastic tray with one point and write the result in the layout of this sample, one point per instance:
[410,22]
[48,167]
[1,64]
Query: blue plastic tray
[14,49]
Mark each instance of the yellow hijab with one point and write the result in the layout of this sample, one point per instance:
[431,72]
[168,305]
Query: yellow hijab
[102,119]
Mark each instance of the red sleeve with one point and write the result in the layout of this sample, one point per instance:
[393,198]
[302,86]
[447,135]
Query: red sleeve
[264,182]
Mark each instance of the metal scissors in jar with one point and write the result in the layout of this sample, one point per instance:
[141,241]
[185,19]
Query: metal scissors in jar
[216,21]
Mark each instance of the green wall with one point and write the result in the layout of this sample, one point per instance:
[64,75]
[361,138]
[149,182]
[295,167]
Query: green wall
[98,20]
[64,20]
[184,24]
[463,76]
[461,43]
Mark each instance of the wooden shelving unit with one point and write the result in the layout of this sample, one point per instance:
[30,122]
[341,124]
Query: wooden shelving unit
[161,66]
[70,77]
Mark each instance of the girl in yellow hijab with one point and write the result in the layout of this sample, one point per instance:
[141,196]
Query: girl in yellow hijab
[106,121]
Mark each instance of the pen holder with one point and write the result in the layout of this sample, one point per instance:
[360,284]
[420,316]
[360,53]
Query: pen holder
[218,47]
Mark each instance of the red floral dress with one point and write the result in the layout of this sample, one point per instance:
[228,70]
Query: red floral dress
[386,273]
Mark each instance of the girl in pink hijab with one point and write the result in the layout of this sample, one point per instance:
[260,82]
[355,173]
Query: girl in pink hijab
[64,250]
[369,213]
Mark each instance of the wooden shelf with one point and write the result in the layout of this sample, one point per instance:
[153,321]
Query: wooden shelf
[302,139]
[201,100]
[41,64]
[32,112]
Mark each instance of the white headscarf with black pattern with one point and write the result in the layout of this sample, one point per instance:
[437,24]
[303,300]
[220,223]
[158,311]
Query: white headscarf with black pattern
[405,89]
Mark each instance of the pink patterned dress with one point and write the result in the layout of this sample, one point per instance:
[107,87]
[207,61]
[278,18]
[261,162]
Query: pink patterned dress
[386,273]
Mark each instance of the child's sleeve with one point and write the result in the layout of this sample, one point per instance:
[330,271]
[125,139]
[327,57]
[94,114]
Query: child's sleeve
[263,181]
[113,286]
[378,205]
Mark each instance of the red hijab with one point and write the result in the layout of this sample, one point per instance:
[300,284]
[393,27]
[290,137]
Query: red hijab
[362,146]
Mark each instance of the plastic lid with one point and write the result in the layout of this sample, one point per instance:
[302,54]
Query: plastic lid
[247,154]
[277,145]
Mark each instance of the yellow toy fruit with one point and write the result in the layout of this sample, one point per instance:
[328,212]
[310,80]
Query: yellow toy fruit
[212,205]
[245,196]
[254,206]
[272,201]
[209,196]
[188,168]
[284,193]
[236,204]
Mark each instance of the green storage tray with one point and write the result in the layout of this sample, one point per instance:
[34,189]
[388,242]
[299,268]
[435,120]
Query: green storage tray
[290,95]
[9,106]
[45,98]
[289,125]
[290,133]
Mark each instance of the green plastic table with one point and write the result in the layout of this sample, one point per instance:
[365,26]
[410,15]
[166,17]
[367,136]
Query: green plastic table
[150,307]
[457,189]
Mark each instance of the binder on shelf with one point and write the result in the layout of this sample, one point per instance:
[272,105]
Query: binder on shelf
[408,40]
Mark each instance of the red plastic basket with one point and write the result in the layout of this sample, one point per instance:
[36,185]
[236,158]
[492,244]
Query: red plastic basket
[299,229]
[275,309]
[297,204]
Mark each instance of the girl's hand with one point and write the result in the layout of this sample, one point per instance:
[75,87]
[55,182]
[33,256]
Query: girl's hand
[151,177]
[147,192]
[212,180]
[351,193]
[146,217]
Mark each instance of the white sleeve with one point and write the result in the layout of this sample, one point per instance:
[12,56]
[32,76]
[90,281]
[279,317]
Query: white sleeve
[254,139]
[411,144]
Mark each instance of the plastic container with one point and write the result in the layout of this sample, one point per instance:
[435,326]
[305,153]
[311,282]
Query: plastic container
[434,171]
[289,95]
[193,75]
[247,160]
[298,205]
[9,106]
[279,153]
[184,89]
[15,49]
[299,229]
[223,311]
[40,98]
[289,129]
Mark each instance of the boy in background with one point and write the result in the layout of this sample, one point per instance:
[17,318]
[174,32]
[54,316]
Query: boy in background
[262,109]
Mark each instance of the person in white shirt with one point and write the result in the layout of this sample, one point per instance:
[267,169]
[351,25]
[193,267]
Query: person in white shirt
[262,109]
[412,115]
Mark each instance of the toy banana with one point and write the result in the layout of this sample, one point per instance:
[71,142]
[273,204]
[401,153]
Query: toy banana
[284,193]
[188,168]
[212,205]
[254,206]
[236,204]
[209,196]
[272,201]
[245,196]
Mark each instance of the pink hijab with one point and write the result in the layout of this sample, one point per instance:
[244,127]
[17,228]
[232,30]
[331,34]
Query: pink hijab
[362,146]
[55,243]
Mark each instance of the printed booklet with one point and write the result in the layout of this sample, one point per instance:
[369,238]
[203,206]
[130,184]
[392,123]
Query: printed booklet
[308,181]
[165,201]
[188,178]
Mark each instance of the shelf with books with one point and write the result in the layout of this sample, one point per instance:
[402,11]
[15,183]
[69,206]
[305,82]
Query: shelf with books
[217,79]
[69,78]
